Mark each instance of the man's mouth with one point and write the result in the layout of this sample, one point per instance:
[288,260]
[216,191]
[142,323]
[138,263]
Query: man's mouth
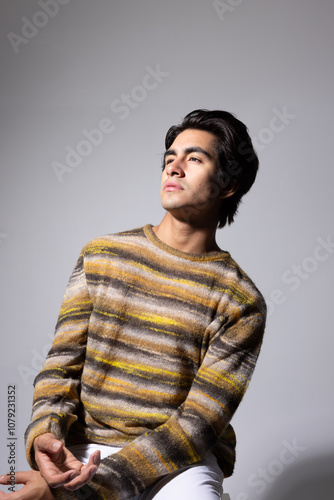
[172,186]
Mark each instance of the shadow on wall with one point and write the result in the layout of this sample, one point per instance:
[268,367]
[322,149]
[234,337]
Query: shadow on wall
[309,479]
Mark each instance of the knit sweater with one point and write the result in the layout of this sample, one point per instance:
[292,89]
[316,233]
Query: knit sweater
[153,351]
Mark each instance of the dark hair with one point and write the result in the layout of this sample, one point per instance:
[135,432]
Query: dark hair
[237,160]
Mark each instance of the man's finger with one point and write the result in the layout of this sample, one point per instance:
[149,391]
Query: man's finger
[95,458]
[56,480]
[18,477]
[87,472]
[86,475]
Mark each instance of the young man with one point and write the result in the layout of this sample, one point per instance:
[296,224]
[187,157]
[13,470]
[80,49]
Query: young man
[156,340]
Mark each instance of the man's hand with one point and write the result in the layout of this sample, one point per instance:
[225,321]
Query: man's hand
[35,488]
[59,467]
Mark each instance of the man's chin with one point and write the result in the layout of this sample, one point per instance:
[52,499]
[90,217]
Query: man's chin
[183,213]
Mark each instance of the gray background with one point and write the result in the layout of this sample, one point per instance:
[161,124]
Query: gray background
[254,58]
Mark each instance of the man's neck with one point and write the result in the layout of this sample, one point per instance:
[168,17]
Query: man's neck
[185,237]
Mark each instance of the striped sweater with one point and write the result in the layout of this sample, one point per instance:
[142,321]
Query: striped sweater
[153,351]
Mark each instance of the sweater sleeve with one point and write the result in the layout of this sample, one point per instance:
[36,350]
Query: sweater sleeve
[194,429]
[57,386]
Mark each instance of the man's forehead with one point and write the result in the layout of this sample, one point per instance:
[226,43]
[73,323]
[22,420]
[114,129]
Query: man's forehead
[193,140]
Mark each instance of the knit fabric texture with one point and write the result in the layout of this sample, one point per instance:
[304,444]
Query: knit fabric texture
[153,351]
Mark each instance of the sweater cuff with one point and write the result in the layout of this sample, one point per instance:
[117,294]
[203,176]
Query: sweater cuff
[35,430]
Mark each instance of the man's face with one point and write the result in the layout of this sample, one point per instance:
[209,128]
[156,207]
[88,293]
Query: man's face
[189,186]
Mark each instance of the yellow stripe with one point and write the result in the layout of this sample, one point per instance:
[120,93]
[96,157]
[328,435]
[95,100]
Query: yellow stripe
[191,451]
[232,290]
[214,374]
[174,468]
[143,459]
[133,367]
[129,413]
[128,385]
[199,394]
[151,318]
[221,378]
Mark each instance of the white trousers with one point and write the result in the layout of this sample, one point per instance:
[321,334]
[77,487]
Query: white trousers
[201,481]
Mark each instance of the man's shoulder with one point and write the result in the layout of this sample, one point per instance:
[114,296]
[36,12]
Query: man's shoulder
[113,239]
[231,274]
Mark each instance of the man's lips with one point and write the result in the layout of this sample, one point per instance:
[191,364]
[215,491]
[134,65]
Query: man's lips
[172,186]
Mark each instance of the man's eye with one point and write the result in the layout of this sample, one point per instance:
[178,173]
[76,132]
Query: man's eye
[193,158]
[166,163]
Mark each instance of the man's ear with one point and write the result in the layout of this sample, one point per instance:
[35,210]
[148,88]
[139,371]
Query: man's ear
[229,191]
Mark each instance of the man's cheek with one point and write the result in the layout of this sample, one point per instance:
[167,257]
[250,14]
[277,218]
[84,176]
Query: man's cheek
[207,193]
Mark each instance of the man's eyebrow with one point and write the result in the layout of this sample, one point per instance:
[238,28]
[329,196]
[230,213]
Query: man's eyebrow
[169,152]
[191,149]
[197,149]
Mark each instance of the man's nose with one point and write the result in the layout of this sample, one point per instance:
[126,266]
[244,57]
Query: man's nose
[175,168]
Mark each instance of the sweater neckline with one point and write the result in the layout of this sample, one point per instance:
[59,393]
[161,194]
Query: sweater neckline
[203,257]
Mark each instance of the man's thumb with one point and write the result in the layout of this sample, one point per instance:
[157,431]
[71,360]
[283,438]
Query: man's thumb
[48,443]
[56,446]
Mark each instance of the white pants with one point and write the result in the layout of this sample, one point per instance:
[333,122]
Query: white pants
[201,481]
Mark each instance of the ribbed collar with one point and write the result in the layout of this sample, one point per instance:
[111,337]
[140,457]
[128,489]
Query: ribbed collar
[203,257]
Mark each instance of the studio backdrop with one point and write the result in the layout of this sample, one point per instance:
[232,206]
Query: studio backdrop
[88,91]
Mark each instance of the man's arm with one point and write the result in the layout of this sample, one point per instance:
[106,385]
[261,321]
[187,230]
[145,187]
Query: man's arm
[57,387]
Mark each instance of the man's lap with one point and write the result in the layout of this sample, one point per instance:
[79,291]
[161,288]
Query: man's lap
[201,481]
